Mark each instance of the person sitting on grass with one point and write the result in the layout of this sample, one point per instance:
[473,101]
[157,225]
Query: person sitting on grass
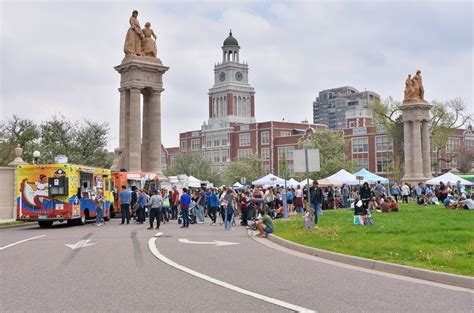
[279,212]
[449,203]
[264,225]
[384,205]
[393,205]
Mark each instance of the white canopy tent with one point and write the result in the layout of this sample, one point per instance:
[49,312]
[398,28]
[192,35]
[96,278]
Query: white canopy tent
[237,185]
[345,177]
[305,181]
[448,178]
[293,183]
[269,180]
[193,182]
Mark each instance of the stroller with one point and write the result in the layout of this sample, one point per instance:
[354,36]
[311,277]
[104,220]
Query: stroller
[192,214]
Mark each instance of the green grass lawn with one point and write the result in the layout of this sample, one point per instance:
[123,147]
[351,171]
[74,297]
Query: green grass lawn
[4,224]
[430,237]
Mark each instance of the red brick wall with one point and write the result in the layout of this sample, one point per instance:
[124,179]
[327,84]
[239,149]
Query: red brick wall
[252,106]
[230,104]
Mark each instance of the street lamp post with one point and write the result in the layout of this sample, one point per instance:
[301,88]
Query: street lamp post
[36,156]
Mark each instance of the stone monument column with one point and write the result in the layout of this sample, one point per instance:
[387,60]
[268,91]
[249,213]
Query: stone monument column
[425,140]
[146,133]
[155,139]
[140,145]
[416,116]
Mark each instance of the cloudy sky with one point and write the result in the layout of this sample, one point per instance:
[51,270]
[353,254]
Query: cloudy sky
[58,56]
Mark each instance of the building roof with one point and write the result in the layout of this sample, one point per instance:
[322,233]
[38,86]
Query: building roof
[231,41]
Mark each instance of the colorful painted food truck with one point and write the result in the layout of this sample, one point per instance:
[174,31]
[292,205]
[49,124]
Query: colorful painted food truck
[141,180]
[61,192]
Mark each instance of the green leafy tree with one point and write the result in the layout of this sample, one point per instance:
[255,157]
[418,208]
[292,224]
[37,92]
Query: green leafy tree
[17,131]
[249,167]
[332,152]
[89,145]
[465,160]
[57,138]
[193,164]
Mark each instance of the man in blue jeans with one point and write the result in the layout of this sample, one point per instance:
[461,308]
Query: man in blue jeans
[125,198]
[185,201]
[316,198]
[201,203]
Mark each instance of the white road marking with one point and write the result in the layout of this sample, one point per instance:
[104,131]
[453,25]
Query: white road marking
[215,243]
[79,244]
[158,234]
[18,242]
[161,257]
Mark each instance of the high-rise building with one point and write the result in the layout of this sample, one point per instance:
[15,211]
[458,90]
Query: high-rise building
[331,105]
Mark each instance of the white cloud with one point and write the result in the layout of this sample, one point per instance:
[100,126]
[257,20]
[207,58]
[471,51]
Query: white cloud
[59,56]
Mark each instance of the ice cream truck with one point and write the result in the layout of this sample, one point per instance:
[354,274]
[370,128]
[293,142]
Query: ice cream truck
[61,192]
[140,180]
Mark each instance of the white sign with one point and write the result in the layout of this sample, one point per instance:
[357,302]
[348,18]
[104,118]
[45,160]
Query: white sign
[299,160]
[243,180]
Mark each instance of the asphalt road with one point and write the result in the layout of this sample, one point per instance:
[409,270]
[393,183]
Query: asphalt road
[118,272]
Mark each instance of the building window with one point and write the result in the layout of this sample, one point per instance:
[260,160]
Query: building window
[360,145]
[225,155]
[208,141]
[216,141]
[244,140]
[469,143]
[453,145]
[265,154]
[286,152]
[195,144]
[224,140]
[285,133]
[244,153]
[361,163]
[383,143]
[216,157]
[183,146]
[265,139]
[384,165]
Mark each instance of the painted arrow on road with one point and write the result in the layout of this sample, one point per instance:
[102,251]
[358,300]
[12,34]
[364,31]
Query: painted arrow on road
[80,244]
[215,243]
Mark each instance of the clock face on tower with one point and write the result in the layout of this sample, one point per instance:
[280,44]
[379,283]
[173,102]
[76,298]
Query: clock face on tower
[222,76]
[238,76]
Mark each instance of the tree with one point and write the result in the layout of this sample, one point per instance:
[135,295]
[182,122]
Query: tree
[193,164]
[17,131]
[82,143]
[332,152]
[90,143]
[249,167]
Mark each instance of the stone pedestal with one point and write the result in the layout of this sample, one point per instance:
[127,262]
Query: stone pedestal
[140,143]
[416,117]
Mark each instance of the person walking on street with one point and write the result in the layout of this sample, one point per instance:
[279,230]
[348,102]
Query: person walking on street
[125,198]
[99,206]
[142,199]
[174,203]
[395,191]
[213,205]
[229,208]
[185,201]
[155,203]
[316,198]
[201,203]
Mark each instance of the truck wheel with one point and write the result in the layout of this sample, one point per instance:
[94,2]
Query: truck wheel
[45,224]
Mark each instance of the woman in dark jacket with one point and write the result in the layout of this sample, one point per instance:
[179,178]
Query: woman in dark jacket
[365,195]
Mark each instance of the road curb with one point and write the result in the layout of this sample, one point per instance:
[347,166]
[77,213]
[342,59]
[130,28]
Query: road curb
[444,278]
[15,225]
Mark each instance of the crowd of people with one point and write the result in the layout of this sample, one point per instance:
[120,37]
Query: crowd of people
[257,206]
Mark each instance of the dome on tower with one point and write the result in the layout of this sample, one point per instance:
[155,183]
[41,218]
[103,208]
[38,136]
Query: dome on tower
[230,41]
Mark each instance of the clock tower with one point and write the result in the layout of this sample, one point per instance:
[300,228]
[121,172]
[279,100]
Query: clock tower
[231,99]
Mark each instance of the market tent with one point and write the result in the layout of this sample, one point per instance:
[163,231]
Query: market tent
[269,180]
[371,177]
[345,177]
[193,182]
[325,182]
[448,178]
[304,182]
[293,183]
[237,185]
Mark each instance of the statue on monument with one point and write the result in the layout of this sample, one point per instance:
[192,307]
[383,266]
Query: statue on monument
[149,45]
[414,88]
[133,40]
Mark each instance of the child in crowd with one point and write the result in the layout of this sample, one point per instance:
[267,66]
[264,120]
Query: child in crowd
[308,217]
